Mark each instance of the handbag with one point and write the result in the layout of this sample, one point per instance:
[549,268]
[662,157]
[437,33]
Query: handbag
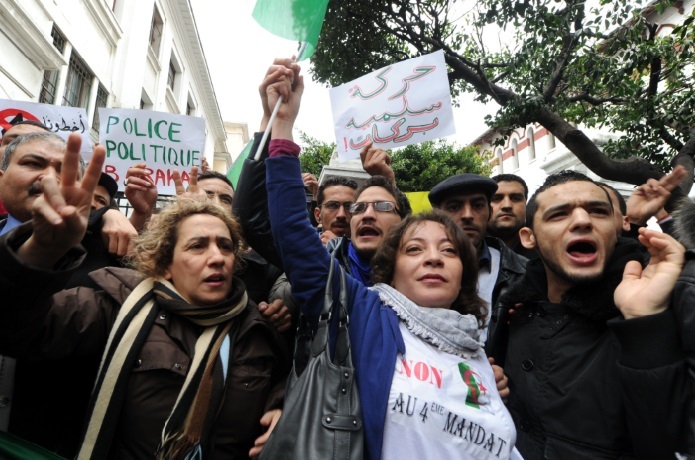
[322,415]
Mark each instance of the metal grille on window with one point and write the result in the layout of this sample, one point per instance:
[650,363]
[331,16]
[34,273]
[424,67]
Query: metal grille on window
[78,83]
[102,97]
[50,77]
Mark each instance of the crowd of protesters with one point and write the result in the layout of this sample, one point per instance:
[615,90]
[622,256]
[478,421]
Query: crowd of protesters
[559,325]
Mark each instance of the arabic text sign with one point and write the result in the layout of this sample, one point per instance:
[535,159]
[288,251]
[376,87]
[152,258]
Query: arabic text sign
[163,141]
[58,119]
[398,105]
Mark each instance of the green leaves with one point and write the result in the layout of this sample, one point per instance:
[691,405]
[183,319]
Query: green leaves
[420,167]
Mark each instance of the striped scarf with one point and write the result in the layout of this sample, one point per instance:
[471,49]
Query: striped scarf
[183,431]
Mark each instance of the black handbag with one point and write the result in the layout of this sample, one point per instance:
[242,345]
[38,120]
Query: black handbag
[322,415]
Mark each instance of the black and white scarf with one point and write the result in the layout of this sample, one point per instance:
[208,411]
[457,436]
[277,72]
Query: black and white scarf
[183,430]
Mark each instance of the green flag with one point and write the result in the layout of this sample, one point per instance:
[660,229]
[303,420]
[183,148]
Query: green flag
[235,170]
[299,20]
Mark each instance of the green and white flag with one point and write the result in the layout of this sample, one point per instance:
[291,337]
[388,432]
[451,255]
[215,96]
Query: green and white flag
[235,171]
[299,20]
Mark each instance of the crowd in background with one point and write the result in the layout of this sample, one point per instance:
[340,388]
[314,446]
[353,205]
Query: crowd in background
[549,326]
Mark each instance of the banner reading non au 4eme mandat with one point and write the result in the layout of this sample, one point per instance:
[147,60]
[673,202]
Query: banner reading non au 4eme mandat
[164,141]
[58,119]
[402,104]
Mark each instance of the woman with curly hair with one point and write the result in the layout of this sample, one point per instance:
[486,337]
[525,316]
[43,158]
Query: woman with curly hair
[189,368]
[426,387]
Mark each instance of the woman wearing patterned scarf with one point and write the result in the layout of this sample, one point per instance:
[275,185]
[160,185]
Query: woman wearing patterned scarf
[189,368]
[426,387]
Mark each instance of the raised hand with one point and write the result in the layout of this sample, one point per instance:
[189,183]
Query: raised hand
[61,214]
[280,66]
[647,199]
[289,86]
[193,188]
[311,183]
[648,291]
[141,194]
[377,162]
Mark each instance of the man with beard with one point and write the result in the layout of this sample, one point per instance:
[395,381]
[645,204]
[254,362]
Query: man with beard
[508,212]
[332,210]
[466,198]
[594,364]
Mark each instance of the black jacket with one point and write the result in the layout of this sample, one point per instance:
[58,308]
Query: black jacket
[52,415]
[684,307]
[512,269]
[587,384]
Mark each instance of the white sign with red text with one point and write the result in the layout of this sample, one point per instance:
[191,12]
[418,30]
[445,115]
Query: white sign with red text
[402,104]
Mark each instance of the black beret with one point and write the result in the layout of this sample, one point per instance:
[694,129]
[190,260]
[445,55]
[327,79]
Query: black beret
[108,183]
[462,183]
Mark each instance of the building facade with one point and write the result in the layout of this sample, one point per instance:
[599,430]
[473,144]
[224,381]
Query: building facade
[110,53]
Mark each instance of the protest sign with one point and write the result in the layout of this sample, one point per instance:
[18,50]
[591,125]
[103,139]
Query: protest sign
[402,104]
[164,141]
[58,119]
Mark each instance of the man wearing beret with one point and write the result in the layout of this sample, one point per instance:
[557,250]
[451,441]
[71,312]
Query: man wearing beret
[466,198]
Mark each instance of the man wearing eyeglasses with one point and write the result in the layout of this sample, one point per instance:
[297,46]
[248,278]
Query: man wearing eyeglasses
[332,212]
[378,206]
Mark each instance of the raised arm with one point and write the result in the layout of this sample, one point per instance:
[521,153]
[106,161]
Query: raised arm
[251,197]
[652,367]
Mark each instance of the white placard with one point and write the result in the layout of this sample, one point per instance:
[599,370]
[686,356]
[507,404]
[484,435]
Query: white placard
[402,104]
[57,118]
[164,141]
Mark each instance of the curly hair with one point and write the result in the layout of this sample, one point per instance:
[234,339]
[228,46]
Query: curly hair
[153,251]
[468,301]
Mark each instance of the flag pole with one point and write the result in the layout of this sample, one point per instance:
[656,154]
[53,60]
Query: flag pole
[264,139]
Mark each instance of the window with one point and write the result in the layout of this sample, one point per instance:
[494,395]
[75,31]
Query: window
[551,141]
[531,145]
[500,159]
[190,106]
[515,155]
[102,98]
[50,77]
[78,83]
[156,31]
[171,76]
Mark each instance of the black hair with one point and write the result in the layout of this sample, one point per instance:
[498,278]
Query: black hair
[553,180]
[512,178]
[336,181]
[402,202]
[622,205]
[215,175]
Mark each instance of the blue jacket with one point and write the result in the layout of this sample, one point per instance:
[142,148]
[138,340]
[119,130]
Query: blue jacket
[375,338]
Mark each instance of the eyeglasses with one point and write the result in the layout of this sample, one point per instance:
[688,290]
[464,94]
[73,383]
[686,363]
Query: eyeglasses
[335,205]
[379,206]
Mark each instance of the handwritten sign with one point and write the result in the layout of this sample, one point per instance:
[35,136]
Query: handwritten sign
[164,141]
[398,105]
[58,119]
